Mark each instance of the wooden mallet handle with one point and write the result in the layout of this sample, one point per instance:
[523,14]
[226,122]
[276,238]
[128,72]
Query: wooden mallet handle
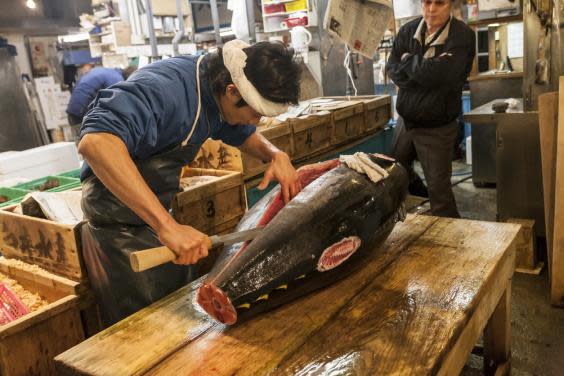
[149,258]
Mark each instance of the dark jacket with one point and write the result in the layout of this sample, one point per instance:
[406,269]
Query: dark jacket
[430,89]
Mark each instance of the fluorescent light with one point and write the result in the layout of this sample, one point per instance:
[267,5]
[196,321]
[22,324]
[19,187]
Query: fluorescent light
[30,4]
[493,25]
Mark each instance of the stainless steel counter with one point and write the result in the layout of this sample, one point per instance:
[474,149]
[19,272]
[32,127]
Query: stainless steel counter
[518,161]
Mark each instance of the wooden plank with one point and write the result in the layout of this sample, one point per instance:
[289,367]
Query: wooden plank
[557,285]
[497,335]
[50,245]
[424,314]
[181,323]
[403,312]
[548,126]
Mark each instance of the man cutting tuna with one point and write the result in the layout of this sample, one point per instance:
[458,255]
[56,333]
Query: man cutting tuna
[141,132]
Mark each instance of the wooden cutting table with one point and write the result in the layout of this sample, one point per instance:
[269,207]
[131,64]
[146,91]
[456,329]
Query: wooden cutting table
[418,307]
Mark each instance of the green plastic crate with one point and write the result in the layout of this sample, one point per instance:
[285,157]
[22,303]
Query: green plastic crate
[14,195]
[65,183]
[71,174]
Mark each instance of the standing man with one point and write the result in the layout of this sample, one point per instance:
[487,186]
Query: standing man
[92,81]
[141,132]
[430,61]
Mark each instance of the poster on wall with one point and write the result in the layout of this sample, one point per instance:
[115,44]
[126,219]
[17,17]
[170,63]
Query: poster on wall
[39,60]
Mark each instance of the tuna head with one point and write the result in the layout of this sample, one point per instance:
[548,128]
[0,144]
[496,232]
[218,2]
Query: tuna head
[322,235]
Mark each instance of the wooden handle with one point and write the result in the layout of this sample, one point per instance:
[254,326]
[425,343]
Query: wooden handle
[149,258]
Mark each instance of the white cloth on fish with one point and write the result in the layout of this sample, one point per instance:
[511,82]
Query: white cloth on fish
[361,162]
[235,60]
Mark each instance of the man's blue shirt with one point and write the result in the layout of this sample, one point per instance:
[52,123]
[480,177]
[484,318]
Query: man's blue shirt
[155,108]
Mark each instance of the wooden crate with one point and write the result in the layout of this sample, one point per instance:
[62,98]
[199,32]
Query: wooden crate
[280,135]
[347,117]
[50,245]
[377,110]
[216,155]
[54,247]
[212,207]
[29,344]
[526,256]
[311,133]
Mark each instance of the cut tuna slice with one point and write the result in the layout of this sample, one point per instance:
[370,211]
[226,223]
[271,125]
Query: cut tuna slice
[217,304]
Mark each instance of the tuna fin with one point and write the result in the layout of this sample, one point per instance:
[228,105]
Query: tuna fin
[282,287]
[300,277]
[262,297]
[244,305]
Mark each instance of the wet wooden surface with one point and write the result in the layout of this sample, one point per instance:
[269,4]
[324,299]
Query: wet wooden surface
[417,307]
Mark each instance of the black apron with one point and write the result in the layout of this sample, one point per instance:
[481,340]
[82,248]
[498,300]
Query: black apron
[113,231]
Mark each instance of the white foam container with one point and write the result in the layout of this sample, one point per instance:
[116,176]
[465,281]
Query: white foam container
[35,163]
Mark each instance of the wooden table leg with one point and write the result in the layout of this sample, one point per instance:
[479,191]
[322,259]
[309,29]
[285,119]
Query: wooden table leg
[497,337]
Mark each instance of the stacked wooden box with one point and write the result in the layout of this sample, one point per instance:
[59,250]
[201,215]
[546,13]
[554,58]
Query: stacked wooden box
[28,344]
[335,122]
[214,207]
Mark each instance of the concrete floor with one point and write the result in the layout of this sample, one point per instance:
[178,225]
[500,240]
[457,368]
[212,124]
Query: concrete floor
[537,329]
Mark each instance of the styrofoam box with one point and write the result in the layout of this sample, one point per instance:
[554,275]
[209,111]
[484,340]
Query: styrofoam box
[35,163]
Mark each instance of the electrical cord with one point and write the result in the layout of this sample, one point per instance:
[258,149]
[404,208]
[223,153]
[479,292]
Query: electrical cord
[346,64]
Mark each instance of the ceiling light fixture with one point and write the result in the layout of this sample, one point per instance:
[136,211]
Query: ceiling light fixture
[30,4]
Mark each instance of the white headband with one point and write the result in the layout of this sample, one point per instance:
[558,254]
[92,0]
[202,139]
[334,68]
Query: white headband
[235,59]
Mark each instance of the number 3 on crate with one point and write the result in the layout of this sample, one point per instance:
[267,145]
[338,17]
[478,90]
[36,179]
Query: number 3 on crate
[210,209]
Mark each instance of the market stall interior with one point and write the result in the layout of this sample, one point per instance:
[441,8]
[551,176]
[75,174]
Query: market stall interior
[260,187]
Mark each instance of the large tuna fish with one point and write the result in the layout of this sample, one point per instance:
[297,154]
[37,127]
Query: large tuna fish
[317,238]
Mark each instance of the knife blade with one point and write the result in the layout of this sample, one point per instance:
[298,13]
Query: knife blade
[149,258]
[235,237]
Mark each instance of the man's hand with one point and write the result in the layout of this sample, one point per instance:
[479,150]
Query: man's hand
[188,243]
[281,169]
[405,56]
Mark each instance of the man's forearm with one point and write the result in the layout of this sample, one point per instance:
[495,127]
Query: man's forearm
[259,147]
[109,159]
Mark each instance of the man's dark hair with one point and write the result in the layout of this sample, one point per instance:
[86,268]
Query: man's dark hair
[270,68]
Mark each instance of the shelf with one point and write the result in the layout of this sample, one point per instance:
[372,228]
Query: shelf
[276,14]
[277,2]
[275,30]
[514,18]
[100,34]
